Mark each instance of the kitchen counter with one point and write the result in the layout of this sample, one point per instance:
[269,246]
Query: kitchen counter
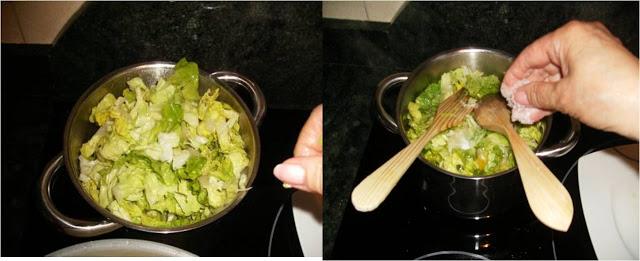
[359,54]
[276,45]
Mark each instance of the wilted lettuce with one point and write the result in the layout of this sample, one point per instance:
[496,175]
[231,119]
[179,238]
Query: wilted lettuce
[466,149]
[477,84]
[163,156]
[422,110]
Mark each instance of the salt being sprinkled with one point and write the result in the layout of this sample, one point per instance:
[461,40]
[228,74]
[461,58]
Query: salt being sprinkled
[519,112]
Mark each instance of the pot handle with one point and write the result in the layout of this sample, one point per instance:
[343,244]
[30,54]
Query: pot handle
[71,226]
[259,103]
[565,145]
[385,118]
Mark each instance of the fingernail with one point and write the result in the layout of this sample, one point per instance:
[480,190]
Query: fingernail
[290,174]
[521,97]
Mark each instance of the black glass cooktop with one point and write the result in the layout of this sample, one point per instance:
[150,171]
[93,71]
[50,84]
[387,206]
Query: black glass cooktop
[405,227]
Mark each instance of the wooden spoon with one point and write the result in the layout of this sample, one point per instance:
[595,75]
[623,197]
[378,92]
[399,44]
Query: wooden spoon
[548,198]
[375,188]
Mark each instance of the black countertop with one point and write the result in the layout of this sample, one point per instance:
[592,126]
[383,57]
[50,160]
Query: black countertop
[359,54]
[276,45]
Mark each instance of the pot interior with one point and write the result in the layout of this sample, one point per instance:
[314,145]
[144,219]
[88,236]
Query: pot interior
[79,130]
[487,61]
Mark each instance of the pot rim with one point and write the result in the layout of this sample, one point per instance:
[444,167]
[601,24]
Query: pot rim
[110,216]
[443,55]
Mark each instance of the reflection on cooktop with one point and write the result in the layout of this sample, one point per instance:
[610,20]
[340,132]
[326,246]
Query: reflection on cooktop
[460,255]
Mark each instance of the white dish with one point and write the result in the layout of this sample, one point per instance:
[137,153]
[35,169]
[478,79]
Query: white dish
[307,215]
[608,182]
[121,247]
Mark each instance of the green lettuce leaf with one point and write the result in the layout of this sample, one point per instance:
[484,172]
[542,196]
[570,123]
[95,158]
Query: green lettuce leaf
[193,168]
[162,93]
[114,147]
[187,201]
[185,78]
[171,116]
[100,113]
[421,111]
[156,191]
[87,149]
[480,86]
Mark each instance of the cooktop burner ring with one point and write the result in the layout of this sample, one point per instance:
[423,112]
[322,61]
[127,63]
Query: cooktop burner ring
[466,255]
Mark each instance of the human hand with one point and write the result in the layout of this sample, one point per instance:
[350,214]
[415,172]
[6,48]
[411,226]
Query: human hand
[304,170]
[580,69]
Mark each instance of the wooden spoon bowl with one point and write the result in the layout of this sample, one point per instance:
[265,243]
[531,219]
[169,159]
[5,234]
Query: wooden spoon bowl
[547,197]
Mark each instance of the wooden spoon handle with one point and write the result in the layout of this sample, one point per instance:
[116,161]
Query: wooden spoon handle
[375,188]
[548,198]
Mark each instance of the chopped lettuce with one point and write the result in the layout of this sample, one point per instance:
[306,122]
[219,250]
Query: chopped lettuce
[114,147]
[186,78]
[422,110]
[87,149]
[187,201]
[477,84]
[162,155]
[193,167]
[466,149]
[480,86]
[531,134]
[162,93]
[100,113]
[171,116]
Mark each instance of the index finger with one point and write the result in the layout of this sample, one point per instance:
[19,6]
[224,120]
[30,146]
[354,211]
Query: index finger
[310,138]
[538,55]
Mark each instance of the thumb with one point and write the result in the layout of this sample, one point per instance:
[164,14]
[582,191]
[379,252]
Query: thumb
[304,173]
[542,95]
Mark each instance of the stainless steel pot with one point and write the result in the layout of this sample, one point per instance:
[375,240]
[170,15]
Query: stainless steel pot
[78,129]
[451,193]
